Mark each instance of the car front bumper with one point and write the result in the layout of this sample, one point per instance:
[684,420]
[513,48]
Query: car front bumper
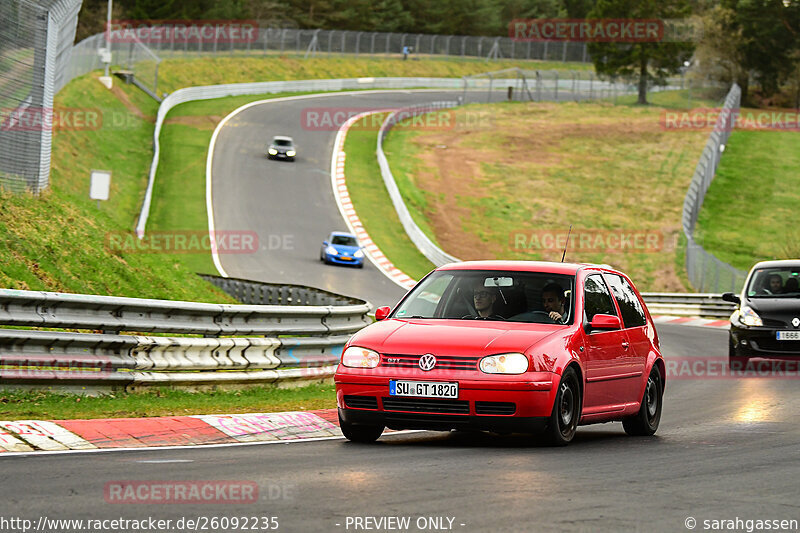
[482,404]
[337,259]
[762,342]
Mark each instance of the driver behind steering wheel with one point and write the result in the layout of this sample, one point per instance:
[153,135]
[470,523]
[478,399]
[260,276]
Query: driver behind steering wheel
[484,299]
[553,301]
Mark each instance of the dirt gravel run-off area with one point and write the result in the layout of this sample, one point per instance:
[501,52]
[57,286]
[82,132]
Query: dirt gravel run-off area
[505,181]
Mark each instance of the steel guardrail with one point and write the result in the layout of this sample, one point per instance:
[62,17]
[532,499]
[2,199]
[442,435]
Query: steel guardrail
[241,344]
[706,305]
[424,244]
[117,314]
[85,362]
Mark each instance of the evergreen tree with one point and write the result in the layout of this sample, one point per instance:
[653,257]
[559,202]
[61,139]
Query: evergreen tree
[649,62]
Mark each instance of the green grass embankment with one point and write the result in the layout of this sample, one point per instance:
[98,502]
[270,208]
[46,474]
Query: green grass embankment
[510,176]
[750,212]
[61,240]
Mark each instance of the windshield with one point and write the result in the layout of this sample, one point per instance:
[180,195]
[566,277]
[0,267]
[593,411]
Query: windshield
[781,282]
[282,142]
[491,295]
[344,240]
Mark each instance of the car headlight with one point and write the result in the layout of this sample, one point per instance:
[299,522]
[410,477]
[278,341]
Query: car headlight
[748,317]
[356,357]
[272,151]
[330,250]
[290,153]
[504,363]
[358,254]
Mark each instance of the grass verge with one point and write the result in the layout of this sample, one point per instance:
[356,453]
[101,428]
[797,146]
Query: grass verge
[510,177]
[184,71]
[62,241]
[164,402]
[374,206]
[750,211]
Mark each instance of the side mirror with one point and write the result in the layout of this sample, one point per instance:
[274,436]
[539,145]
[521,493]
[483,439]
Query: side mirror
[730,297]
[605,323]
[324,243]
[382,312]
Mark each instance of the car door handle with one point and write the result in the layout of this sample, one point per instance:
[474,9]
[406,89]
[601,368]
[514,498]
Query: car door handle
[625,345]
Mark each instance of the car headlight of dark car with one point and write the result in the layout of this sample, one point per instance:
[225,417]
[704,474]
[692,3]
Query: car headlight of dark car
[749,317]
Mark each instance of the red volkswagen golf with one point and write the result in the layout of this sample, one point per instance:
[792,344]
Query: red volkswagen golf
[506,346]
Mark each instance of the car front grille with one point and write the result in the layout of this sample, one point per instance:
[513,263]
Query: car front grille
[425,405]
[361,402]
[774,345]
[443,362]
[495,408]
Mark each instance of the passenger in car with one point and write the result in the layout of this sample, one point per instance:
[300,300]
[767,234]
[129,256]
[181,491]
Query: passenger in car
[792,285]
[553,302]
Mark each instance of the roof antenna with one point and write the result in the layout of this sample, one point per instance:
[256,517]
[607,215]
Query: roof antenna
[567,244]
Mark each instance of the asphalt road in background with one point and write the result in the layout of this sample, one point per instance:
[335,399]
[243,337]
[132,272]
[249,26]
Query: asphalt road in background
[726,448]
[291,204]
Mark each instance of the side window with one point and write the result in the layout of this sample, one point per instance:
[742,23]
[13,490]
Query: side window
[629,305]
[596,298]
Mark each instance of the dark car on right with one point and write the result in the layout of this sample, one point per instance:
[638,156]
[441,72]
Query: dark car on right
[766,323]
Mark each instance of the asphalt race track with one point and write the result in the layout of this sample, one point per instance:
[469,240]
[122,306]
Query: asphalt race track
[290,204]
[727,448]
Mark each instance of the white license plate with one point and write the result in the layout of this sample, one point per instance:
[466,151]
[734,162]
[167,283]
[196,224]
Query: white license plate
[788,335]
[425,389]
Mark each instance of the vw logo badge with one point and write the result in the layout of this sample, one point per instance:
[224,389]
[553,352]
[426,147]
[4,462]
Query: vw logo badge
[796,322]
[427,362]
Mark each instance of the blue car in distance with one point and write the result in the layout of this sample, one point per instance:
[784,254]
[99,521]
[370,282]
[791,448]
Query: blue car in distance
[342,248]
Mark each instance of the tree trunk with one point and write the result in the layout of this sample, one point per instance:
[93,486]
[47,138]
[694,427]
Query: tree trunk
[642,76]
[744,81]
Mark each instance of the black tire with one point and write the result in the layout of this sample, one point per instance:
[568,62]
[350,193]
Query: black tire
[645,422]
[566,410]
[360,433]
[736,362]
